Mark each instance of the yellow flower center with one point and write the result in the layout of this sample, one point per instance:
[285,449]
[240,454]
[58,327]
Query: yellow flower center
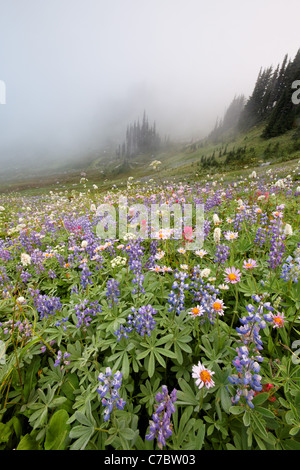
[217,306]
[232,276]
[205,376]
[249,265]
[278,320]
[195,311]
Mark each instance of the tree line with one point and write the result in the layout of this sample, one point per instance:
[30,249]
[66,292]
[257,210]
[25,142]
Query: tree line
[141,138]
[271,101]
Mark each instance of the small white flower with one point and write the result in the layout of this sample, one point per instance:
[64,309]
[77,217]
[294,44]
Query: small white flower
[159,255]
[231,235]
[201,253]
[25,259]
[287,230]
[217,235]
[205,272]
[223,286]
[216,219]
[184,267]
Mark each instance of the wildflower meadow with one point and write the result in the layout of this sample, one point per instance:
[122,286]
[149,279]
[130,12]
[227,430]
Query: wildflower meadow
[141,343]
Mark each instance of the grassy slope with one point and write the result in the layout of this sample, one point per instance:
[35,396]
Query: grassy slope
[179,162]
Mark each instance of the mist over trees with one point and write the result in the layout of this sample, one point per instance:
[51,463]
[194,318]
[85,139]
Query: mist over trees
[230,119]
[270,105]
[141,138]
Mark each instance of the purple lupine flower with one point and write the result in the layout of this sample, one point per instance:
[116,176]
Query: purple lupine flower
[160,426]
[85,277]
[142,320]
[205,295]
[135,252]
[247,380]
[46,305]
[112,292]
[85,310]
[110,384]
[222,253]
[61,357]
[177,298]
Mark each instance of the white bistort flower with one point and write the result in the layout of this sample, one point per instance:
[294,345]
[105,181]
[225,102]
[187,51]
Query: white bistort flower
[205,272]
[217,235]
[287,230]
[25,259]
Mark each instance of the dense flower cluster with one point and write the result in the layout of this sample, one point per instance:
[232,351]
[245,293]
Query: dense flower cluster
[290,270]
[112,291]
[160,426]
[70,298]
[85,310]
[109,391]
[45,304]
[141,321]
[248,380]
[177,294]
[61,359]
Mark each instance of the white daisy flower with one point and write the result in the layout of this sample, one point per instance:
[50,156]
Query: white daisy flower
[203,376]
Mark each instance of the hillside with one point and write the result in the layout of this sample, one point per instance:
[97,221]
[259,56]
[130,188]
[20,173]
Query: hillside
[238,153]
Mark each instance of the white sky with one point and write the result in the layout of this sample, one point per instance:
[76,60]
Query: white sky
[78,71]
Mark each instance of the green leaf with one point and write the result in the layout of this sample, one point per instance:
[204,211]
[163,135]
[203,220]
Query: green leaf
[39,417]
[83,419]
[246,418]
[200,438]
[125,365]
[294,430]
[260,424]
[166,352]
[187,395]
[28,442]
[225,399]
[237,410]
[128,433]
[84,435]
[260,398]
[151,364]
[5,432]
[159,358]
[143,354]
[291,444]
[58,431]
[264,412]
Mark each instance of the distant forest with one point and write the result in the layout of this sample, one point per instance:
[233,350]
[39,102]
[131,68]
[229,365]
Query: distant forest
[270,103]
[140,138]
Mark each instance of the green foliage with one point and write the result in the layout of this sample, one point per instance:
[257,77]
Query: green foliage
[47,405]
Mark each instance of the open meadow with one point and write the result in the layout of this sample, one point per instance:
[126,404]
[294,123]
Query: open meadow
[141,343]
